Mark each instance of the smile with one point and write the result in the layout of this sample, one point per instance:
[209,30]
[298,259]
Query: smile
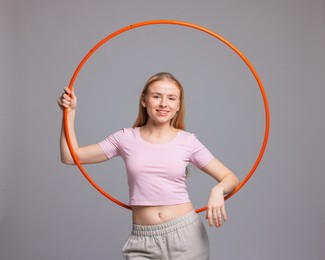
[162,112]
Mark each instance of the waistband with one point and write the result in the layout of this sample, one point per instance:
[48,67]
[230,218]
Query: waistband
[167,227]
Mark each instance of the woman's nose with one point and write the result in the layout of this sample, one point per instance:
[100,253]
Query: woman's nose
[163,102]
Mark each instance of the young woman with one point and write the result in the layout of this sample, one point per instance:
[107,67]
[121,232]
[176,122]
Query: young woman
[156,152]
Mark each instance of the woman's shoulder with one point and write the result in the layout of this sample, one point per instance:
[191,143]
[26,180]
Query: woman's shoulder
[190,138]
[128,131]
[187,135]
[122,133]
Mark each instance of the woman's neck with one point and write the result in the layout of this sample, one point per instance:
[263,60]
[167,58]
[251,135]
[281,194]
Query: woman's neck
[158,134]
[158,129]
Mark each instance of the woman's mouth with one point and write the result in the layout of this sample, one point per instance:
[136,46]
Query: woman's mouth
[162,112]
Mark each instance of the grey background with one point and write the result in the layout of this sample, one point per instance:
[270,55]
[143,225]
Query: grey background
[50,211]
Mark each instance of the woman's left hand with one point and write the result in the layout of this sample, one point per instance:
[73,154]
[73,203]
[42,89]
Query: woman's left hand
[216,211]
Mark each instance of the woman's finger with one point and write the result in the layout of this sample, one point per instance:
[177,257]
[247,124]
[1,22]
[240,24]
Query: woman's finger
[215,217]
[209,216]
[224,214]
[218,222]
[67,90]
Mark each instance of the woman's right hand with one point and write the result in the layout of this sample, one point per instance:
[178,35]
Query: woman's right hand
[67,100]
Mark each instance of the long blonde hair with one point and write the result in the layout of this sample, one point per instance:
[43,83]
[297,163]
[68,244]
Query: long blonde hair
[178,121]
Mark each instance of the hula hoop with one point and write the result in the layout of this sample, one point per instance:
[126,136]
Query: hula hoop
[186,24]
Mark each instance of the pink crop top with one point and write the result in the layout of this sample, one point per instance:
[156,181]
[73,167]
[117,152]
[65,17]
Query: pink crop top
[156,172]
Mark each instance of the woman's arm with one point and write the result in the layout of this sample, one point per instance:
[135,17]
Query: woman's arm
[86,154]
[227,182]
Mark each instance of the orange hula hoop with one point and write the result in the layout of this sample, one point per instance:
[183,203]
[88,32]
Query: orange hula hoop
[186,24]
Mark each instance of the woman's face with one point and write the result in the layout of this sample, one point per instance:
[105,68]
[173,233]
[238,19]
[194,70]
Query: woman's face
[162,102]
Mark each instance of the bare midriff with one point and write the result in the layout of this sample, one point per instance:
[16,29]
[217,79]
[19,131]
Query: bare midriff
[155,215]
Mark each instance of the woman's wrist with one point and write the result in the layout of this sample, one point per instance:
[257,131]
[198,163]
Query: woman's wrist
[71,114]
[219,188]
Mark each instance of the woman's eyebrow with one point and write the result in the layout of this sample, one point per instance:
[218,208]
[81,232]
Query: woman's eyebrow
[155,93]
[158,93]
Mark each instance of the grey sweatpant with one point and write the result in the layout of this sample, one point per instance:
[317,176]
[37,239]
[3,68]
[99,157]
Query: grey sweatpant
[184,238]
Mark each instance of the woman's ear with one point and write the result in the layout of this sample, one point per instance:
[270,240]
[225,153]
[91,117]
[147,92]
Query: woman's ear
[143,103]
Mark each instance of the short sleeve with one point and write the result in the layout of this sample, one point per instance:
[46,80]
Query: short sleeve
[111,144]
[201,156]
